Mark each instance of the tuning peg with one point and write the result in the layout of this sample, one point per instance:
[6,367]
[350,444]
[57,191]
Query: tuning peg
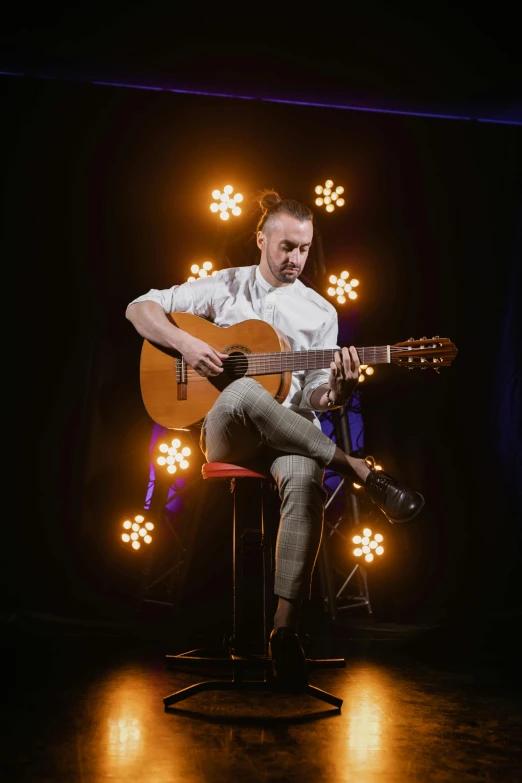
[424,338]
[437,337]
[411,339]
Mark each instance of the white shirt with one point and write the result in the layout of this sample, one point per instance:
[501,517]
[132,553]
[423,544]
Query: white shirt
[232,295]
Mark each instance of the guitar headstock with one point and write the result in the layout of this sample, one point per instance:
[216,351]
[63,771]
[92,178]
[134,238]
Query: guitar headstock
[426,353]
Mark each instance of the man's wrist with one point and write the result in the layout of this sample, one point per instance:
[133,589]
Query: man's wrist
[330,404]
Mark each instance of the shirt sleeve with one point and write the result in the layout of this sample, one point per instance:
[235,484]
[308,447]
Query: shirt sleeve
[192,297]
[313,378]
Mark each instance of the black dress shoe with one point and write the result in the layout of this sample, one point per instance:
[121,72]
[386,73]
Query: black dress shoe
[398,504]
[289,666]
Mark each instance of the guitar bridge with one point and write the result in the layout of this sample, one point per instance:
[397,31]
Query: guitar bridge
[181,378]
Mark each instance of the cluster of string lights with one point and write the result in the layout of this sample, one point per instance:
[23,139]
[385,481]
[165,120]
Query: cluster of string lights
[137,531]
[225,204]
[173,456]
[342,287]
[368,545]
[201,271]
[328,196]
[365,369]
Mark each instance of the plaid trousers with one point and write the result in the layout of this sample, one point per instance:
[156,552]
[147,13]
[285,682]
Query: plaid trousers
[247,425]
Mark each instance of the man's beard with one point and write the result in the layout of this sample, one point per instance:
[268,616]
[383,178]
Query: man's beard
[278,274]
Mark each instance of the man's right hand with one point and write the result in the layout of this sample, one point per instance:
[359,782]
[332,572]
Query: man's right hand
[205,360]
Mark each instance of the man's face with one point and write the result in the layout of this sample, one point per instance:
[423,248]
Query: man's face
[284,249]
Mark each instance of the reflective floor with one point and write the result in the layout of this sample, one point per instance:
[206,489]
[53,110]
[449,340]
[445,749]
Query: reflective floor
[77,709]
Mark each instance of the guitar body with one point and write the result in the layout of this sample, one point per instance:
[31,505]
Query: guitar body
[175,396]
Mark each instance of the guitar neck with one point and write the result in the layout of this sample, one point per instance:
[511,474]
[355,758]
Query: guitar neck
[291,361]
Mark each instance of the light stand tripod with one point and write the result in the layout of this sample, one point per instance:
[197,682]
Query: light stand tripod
[336,599]
[160,574]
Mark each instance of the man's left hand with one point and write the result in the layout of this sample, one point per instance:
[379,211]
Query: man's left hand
[344,375]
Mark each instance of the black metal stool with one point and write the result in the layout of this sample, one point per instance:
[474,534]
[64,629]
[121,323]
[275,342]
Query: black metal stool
[248,646]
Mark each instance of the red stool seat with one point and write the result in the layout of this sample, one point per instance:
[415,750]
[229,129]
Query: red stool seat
[228,470]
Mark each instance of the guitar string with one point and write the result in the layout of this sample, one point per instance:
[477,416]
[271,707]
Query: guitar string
[312,355]
[262,362]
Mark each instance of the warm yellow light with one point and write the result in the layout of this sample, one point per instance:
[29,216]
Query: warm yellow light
[236,211]
[356,486]
[341,299]
[357,552]
[373,544]
[149,525]
[339,189]
[194,269]
[361,378]
[125,537]
[216,194]
[185,451]
[202,273]
[139,518]
[339,290]
[365,540]
[354,283]
[330,208]
[161,461]
[340,202]
[136,544]
[147,539]
[172,450]
[345,275]
[184,464]
[134,536]
[127,524]
[331,292]
[327,192]
[171,469]
[223,198]
[135,526]
[352,295]
[368,557]
[332,279]
[327,199]
[378,537]
[190,279]
[319,202]
[224,216]
[367,531]
[334,196]
[318,188]
[214,207]
[176,443]
[238,198]
[356,539]
[163,447]
[228,189]
[366,549]
[207,265]
[328,183]
[379,550]
[142,532]
[370,371]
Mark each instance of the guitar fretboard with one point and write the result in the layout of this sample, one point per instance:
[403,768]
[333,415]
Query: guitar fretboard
[290,361]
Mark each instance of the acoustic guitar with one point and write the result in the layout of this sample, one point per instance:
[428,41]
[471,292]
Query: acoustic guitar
[177,397]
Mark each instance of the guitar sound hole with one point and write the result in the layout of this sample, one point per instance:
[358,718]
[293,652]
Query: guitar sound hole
[236,365]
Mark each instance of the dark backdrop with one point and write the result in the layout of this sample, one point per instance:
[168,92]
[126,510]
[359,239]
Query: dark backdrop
[106,195]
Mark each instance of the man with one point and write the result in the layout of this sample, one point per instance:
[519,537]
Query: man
[247,423]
